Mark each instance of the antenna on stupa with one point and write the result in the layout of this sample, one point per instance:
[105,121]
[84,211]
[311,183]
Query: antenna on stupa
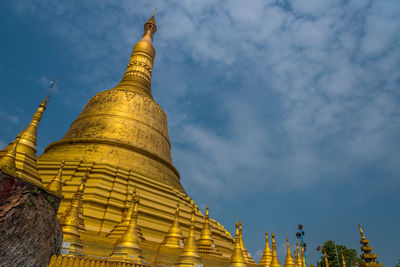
[154,12]
[51,89]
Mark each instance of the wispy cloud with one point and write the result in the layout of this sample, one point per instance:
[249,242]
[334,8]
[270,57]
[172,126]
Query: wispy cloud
[9,117]
[2,144]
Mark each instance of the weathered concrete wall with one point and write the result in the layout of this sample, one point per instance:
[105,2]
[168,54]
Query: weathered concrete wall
[29,229]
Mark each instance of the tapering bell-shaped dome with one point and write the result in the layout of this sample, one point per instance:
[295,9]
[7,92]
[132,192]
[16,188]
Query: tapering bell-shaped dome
[123,126]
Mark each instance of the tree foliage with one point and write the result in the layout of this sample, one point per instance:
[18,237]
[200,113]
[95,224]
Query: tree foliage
[350,255]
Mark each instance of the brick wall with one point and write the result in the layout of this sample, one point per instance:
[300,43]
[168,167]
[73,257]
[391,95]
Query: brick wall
[29,230]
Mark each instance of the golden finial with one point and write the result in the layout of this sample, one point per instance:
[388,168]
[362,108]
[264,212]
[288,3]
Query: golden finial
[205,243]
[29,135]
[150,26]
[289,259]
[237,259]
[55,185]
[326,259]
[189,254]
[275,261]
[71,221]
[298,256]
[174,238]
[137,77]
[267,254]
[7,161]
[127,202]
[82,186]
[361,231]
[127,248]
[127,216]
[343,261]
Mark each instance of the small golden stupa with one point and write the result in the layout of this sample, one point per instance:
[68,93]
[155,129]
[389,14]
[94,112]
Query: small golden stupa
[368,259]
[267,254]
[326,259]
[274,261]
[289,262]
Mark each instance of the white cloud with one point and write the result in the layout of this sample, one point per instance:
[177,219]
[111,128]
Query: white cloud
[9,117]
[2,144]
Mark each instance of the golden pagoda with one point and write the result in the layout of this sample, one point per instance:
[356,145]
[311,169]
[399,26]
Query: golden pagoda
[237,260]
[55,185]
[343,261]
[289,262]
[368,259]
[267,254]
[190,256]
[72,223]
[326,259]
[118,143]
[205,243]
[24,157]
[127,248]
[274,261]
[7,161]
[174,237]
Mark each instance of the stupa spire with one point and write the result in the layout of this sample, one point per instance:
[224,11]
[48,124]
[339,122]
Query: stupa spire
[25,157]
[326,259]
[174,238]
[267,254]
[71,221]
[7,161]
[367,257]
[289,259]
[205,243]
[139,70]
[127,248]
[120,228]
[275,261]
[343,261]
[189,254]
[237,259]
[29,135]
[128,214]
[56,184]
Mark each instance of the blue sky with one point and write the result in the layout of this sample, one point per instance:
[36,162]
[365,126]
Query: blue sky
[280,112]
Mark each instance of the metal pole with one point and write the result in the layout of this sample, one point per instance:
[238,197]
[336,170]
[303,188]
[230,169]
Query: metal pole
[337,255]
[305,258]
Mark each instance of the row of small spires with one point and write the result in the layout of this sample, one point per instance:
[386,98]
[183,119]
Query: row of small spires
[72,220]
[127,248]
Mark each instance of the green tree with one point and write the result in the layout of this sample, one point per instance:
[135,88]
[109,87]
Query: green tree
[398,264]
[350,255]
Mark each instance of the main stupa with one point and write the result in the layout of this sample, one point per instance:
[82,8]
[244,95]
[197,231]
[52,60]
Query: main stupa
[119,148]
